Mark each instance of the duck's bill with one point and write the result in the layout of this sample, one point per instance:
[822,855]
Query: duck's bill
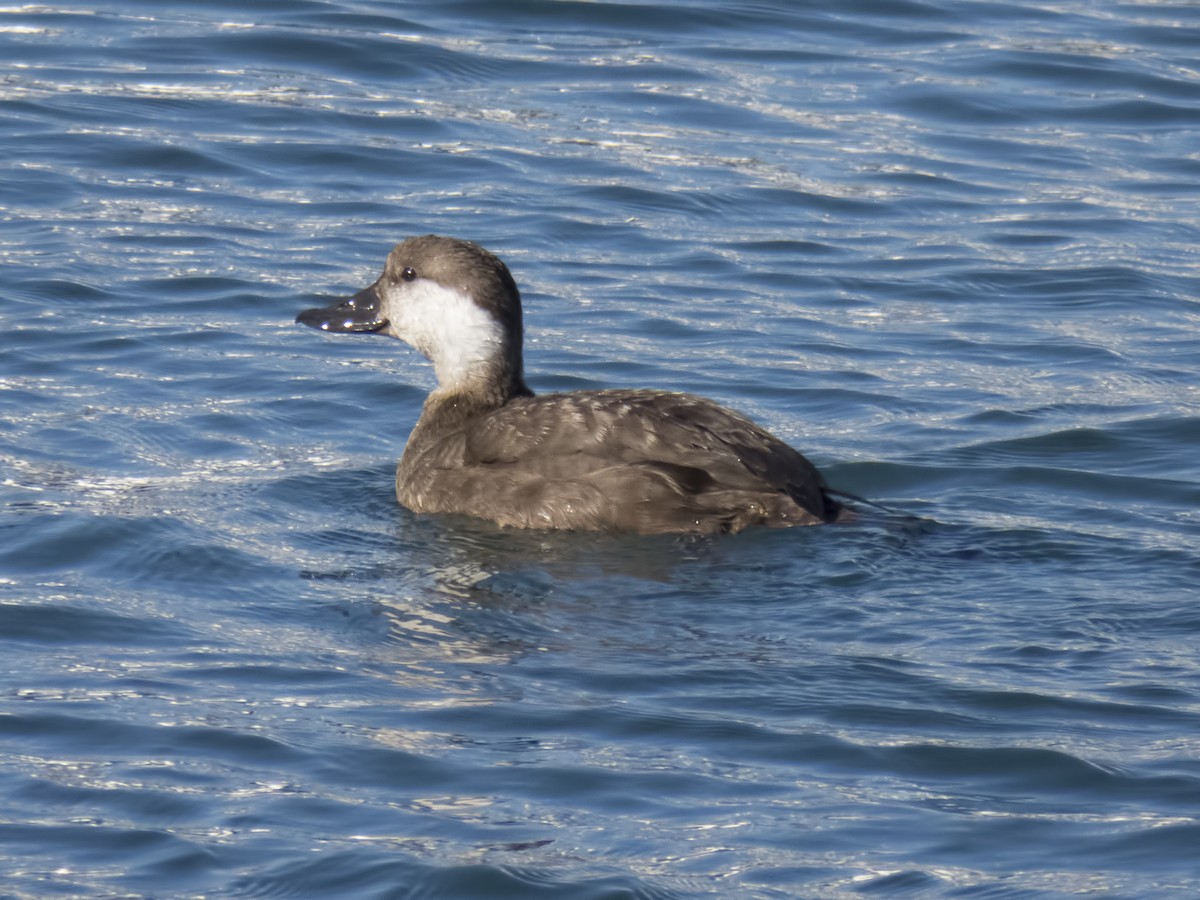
[354,315]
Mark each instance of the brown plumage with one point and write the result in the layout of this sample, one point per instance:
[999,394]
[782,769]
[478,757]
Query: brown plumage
[637,460]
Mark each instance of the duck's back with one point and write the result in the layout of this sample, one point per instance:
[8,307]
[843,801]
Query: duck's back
[636,460]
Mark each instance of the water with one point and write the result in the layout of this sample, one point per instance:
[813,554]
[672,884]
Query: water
[949,250]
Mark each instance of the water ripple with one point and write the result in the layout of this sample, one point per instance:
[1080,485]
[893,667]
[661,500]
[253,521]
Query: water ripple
[947,250]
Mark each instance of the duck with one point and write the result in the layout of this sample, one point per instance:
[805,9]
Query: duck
[645,461]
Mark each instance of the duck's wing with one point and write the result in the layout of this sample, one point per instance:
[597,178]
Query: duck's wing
[705,447]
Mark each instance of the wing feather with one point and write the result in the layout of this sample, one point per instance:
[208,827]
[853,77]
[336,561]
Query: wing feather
[571,435]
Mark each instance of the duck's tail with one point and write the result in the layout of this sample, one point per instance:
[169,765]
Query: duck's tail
[834,498]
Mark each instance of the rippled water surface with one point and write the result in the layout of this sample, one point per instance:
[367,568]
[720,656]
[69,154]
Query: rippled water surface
[949,250]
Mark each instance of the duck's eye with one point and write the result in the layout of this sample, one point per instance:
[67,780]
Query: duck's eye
[409,273]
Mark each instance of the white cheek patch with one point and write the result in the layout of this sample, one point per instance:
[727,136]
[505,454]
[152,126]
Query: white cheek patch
[446,326]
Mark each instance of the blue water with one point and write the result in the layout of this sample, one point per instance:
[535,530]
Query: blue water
[949,250]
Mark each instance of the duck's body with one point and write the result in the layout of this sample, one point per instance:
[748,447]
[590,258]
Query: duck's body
[645,461]
[635,460]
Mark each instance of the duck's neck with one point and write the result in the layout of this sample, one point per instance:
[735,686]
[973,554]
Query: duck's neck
[488,387]
[489,371]
[476,398]
[477,357]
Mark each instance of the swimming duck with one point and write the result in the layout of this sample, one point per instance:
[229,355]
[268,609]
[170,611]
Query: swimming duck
[645,461]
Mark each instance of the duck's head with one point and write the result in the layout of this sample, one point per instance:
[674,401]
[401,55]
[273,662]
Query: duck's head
[450,299]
